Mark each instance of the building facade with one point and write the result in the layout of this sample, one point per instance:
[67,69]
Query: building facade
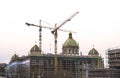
[114,58]
[113,71]
[69,64]
[2,69]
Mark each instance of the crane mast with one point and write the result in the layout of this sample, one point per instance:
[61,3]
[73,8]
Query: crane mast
[40,33]
[40,38]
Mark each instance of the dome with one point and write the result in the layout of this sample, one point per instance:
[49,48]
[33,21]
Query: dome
[70,41]
[14,56]
[35,48]
[93,52]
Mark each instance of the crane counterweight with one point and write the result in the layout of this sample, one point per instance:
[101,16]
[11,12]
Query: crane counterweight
[27,24]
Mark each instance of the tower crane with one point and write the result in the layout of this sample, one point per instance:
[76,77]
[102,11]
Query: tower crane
[54,32]
[40,31]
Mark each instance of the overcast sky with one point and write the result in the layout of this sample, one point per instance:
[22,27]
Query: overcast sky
[98,24]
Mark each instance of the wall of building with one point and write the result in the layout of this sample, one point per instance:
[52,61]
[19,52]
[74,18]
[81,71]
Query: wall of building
[44,66]
[114,58]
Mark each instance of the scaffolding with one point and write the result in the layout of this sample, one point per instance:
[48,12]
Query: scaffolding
[43,66]
[114,58]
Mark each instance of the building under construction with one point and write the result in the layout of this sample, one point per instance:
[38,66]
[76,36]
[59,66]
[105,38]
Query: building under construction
[69,64]
[114,58]
[113,71]
[114,61]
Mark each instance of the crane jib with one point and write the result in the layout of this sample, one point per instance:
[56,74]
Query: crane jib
[69,19]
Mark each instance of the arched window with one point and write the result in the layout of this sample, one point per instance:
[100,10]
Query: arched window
[76,51]
[69,50]
[73,51]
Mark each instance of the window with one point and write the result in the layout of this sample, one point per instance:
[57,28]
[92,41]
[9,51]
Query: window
[69,50]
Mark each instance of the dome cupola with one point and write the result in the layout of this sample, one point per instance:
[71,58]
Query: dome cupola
[14,56]
[70,41]
[35,50]
[70,47]
[93,52]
